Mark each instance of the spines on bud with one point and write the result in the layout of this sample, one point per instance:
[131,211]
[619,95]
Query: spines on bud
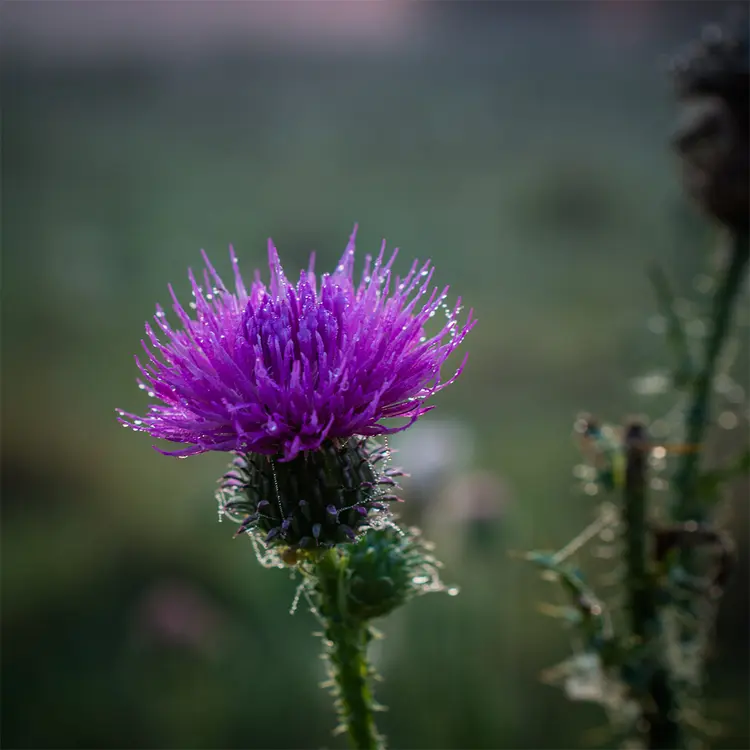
[386,568]
[318,500]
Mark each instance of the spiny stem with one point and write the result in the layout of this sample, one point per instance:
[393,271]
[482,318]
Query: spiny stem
[641,604]
[686,506]
[347,654]
[658,700]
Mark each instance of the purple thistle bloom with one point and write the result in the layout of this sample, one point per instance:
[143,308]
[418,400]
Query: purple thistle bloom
[282,369]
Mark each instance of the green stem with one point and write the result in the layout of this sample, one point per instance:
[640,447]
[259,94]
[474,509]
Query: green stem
[686,505]
[658,700]
[347,654]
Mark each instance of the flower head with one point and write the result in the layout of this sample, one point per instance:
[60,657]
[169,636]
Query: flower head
[284,369]
[712,79]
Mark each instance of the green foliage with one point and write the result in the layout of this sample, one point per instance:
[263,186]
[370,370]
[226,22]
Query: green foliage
[648,670]
[676,338]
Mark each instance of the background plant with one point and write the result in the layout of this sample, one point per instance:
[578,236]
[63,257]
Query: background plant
[643,652]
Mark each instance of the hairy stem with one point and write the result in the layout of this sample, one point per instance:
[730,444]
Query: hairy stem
[686,506]
[658,700]
[348,638]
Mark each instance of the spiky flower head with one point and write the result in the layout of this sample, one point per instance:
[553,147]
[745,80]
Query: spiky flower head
[719,65]
[283,369]
[295,380]
[712,78]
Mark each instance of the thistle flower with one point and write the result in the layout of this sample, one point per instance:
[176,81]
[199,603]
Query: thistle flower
[290,378]
[282,369]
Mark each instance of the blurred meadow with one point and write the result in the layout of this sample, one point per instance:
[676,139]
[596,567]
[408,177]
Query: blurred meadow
[520,146]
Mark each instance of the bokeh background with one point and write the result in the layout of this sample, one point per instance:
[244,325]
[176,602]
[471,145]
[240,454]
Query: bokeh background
[521,146]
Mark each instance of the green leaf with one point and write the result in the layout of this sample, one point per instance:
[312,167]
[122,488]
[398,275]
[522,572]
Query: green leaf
[676,337]
[570,615]
[710,483]
[742,464]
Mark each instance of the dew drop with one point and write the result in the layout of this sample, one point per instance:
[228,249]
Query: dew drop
[657,324]
[703,284]
[723,383]
[584,472]
[696,328]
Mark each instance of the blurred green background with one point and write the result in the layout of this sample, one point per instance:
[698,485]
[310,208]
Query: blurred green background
[522,147]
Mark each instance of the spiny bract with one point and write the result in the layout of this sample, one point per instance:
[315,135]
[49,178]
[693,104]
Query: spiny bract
[316,500]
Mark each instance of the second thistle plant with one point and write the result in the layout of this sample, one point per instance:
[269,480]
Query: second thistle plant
[295,382]
[644,657]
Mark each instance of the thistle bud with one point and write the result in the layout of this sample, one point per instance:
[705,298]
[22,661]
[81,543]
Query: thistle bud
[386,568]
